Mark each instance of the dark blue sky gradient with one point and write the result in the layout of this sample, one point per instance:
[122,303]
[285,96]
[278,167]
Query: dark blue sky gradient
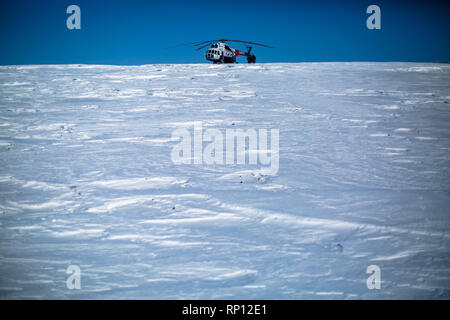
[135,31]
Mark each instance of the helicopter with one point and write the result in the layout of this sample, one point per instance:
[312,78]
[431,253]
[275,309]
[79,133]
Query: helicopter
[220,52]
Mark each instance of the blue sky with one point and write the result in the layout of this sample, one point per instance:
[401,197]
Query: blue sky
[136,31]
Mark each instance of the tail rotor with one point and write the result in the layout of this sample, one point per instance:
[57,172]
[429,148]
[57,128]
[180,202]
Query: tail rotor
[250,57]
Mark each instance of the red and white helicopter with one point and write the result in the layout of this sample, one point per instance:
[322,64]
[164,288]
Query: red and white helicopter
[220,52]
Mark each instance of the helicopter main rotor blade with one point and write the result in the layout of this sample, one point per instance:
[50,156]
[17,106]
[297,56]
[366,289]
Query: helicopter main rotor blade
[210,41]
[203,42]
[203,46]
[254,43]
[196,43]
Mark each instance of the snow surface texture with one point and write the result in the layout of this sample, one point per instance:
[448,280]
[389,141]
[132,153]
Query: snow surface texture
[86,179]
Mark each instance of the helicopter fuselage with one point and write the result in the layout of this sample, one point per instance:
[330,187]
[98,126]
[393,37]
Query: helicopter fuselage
[222,53]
